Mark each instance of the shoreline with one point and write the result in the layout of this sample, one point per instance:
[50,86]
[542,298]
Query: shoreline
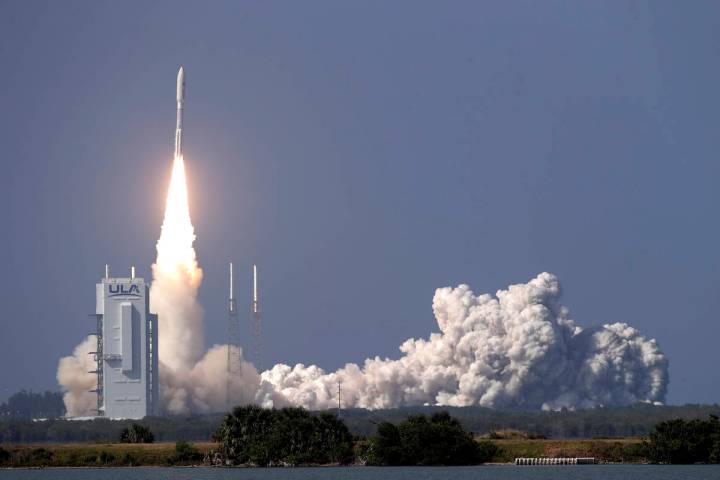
[625,451]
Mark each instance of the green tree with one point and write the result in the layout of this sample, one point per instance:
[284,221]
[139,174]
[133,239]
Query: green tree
[243,435]
[28,405]
[419,440]
[290,436]
[332,441]
[136,433]
[715,453]
[185,453]
[685,441]
[385,447]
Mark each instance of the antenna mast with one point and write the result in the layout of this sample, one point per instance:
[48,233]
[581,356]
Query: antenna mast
[233,346]
[256,321]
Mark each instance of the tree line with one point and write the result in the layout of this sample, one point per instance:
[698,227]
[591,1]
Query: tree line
[290,436]
[251,435]
[685,441]
[29,405]
[631,421]
[420,440]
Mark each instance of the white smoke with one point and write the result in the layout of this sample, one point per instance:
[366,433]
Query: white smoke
[519,349]
[176,279]
[205,388]
[189,381]
[77,381]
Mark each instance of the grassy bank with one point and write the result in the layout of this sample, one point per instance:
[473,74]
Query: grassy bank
[616,450]
[626,450]
[100,455]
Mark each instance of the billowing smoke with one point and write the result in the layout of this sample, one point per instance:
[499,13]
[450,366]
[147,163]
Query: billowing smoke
[189,381]
[77,381]
[519,349]
[204,388]
[176,279]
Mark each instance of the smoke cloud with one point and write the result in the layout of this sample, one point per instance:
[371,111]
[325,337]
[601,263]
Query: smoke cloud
[77,381]
[519,349]
[176,279]
[204,388]
[189,381]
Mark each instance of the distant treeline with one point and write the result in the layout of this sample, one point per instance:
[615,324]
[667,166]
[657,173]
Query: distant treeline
[637,420]
[632,421]
[29,405]
[165,429]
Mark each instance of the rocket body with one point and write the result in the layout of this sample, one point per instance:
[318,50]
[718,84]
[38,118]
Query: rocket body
[255,304]
[179,119]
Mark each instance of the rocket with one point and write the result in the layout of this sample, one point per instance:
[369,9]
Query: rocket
[255,304]
[179,120]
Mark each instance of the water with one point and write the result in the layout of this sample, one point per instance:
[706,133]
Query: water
[487,472]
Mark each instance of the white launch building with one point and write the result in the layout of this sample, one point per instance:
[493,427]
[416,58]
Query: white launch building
[127,354]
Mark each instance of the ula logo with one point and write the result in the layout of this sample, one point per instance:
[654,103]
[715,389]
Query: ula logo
[124,290]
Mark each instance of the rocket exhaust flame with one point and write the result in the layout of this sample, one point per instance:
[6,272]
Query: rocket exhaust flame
[175,246]
[189,380]
[177,277]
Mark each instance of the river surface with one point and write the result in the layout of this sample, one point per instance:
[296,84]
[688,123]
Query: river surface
[486,472]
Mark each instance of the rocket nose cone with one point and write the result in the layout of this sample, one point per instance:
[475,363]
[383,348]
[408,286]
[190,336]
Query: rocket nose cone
[181,84]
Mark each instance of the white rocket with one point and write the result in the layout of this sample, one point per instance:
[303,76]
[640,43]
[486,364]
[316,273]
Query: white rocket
[180,102]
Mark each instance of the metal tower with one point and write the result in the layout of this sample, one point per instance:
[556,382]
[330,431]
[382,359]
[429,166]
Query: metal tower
[256,323]
[234,364]
[98,356]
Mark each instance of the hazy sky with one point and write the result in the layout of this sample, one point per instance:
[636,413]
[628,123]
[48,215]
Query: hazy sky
[364,154]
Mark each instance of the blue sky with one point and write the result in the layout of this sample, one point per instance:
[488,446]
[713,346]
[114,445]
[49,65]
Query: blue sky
[364,154]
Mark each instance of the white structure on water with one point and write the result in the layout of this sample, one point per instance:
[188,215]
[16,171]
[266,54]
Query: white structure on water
[127,354]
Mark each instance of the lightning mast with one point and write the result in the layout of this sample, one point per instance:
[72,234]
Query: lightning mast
[234,364]
[256,322]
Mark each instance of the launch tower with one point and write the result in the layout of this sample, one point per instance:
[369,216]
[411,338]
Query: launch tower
[234,364]
[127,354]
[256,323]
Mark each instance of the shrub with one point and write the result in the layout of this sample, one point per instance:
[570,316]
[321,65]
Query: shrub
[40,456]
[486,451]
[185,453]
[129,459]
[715,453]
[419,440]
[385,447]
[136,434]
[4,456]
[106,458]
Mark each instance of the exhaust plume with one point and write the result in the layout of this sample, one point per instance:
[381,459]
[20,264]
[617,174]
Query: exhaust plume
[176,279]
[77,381]
[519,349]
[189,381]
